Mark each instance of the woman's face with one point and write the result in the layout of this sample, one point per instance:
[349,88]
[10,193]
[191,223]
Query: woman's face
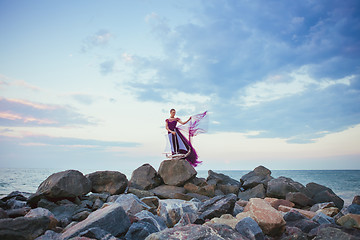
[172,113]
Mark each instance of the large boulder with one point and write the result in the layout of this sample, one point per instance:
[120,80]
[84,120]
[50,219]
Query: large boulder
[300,199]
[217,206]
[256,192]
[172,210]
[39,212]
[320,194]
[60,185]
[260,175]
[131,204]
[166,191]
[269,219]
[23,228]
[145,177]
[176,172]
[349,220]
[112,182]
[279,187]
[197,232]
[219,178]
[112,219]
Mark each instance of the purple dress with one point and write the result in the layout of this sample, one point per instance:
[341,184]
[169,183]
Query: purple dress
[179,144]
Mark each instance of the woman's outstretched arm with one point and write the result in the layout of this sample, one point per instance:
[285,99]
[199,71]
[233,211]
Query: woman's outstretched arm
[184,122]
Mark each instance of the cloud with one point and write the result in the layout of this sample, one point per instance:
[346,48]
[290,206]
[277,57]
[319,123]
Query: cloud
[285,70]
[99,39]
[18,112]
[107,67]
[6,81]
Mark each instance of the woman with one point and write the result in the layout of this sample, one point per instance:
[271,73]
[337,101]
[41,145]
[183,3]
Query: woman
[180,146]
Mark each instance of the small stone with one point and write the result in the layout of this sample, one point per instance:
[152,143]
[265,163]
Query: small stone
[80,216]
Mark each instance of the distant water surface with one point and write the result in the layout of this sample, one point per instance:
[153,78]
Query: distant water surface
[345,183]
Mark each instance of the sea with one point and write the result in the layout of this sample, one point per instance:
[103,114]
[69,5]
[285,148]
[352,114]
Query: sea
[345,183]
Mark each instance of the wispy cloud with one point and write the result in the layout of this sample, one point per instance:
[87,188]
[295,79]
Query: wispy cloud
[18,112]
[99,39]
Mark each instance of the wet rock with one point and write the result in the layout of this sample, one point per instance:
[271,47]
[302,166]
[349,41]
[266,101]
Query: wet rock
[349,220]
[256,192]
[112,219]
[166,191]
[39,212]
[176,172]
[217,206]
[269,219]
[320,194]
[197,232]
[279,187]
[260,175]
[308,214]
[321,218]
[219,178]
[97,233]
[171,210]
[331,233]
[140,193]
[275,203]
[131,204]
[66,184]
[145,177]
[319,206]
[356,200]
[23,227]
[112,182]
[250,229]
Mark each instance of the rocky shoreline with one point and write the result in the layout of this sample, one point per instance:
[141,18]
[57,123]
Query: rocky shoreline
[172,203]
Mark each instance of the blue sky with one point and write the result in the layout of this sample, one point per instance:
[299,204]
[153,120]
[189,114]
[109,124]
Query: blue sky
[88,84]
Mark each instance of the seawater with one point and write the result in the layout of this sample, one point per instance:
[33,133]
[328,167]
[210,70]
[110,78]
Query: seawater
[345,183]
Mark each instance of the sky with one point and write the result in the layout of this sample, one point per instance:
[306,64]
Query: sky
[89,84]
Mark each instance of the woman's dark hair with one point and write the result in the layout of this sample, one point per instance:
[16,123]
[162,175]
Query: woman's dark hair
[172,110]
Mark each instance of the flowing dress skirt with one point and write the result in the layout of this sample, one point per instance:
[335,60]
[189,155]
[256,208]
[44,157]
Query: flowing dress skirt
[180,145]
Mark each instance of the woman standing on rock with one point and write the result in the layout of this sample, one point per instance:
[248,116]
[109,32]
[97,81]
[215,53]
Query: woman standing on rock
[180,146]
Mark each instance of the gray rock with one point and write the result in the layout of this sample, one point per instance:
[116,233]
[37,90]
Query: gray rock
[131,204]
[44,203]
[260,175]
[3,214]
[256,192]
[140,230]
[112,219]
[112,182]
[66,184]
[21,196]
[97,233]
[227,189]
[331,233]
[186,219]
[237,209]
[294,233]
[64,213]
[49,235]
[219,178]
[293,215]
[250,229]
[198,196]
[166,191]
[102,196]
[176,172]
[80,216]
[217,206]
[97,204]
[15,204]
[321,218]
[152,202]
[145,177]
[320,194]
[171,210]
[155,220]
[279,187]
[319,206]
[197,232]
[140,193]
[305,225]
[23,227]
[356,200]
[18,212]
[353,208]
[39,212]
[299,199]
